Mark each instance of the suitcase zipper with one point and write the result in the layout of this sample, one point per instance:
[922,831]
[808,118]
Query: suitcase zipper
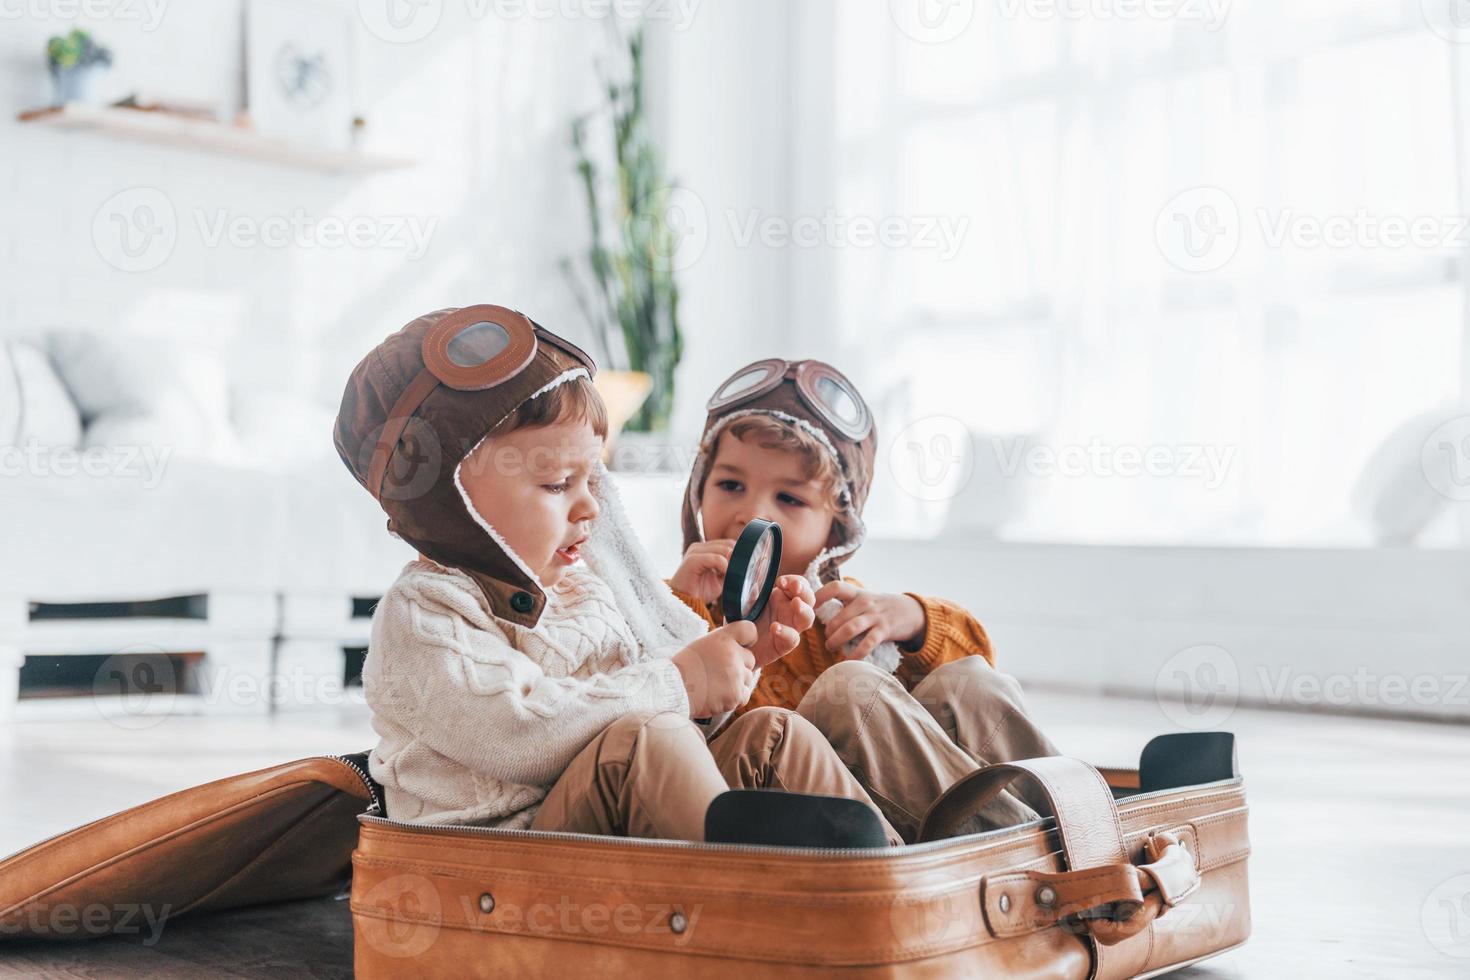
[372,817]
[421,828]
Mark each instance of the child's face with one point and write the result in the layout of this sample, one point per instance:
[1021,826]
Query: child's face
[531,485]
[747,481]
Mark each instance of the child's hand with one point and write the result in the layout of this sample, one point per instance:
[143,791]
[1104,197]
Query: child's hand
[718,669]
[788,615]
[875,616]
[702,573]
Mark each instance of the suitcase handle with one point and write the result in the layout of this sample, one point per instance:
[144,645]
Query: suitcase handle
[1102,892]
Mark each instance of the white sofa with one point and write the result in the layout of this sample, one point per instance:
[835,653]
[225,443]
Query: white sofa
[241,501]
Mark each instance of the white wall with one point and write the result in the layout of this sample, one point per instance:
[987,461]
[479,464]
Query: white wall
[483,104]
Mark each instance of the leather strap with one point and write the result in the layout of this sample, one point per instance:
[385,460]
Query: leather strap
[398,418]
[1087,825]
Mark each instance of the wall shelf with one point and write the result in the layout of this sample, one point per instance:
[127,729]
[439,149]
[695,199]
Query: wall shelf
[208,136]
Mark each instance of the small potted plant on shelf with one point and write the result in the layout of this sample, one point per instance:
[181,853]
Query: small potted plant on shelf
[75,60]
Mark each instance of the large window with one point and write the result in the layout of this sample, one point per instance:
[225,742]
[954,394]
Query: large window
[1223,234]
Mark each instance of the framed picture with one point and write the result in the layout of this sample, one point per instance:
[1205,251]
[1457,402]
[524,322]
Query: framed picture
[298,71]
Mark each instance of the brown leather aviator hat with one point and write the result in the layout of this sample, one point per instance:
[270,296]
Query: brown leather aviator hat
[817,398]
[419,403]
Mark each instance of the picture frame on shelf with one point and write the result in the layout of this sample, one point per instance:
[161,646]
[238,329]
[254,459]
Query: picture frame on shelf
[298,71]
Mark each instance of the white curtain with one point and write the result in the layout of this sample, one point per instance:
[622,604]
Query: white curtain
[1131,192]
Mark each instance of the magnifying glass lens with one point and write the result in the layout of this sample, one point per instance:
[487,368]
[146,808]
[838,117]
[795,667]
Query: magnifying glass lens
[751,575]
[755,575]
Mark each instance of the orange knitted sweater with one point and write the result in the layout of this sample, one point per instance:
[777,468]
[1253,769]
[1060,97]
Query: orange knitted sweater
[949,634]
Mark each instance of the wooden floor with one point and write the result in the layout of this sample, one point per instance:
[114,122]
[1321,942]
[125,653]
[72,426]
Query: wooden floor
[1360,828]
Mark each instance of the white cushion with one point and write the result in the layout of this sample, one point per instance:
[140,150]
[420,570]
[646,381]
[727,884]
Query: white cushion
[34,405]
[142,391]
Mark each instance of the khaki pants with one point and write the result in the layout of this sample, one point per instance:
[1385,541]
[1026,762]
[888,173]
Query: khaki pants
[651,774]
[907,749]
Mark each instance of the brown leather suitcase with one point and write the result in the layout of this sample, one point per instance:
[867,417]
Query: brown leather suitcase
[1138,872]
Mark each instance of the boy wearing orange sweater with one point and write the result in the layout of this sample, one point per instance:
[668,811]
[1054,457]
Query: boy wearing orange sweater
[794,442]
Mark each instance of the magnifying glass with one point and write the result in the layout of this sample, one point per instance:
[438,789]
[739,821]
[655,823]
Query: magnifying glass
[755,561]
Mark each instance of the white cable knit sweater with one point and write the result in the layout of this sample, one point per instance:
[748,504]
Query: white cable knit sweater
[476,716]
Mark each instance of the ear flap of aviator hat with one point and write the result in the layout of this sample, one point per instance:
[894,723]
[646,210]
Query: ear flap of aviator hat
[418,489]
[754,389]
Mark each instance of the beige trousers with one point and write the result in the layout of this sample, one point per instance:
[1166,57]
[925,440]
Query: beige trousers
[857,733]
[907,749]
[651,774]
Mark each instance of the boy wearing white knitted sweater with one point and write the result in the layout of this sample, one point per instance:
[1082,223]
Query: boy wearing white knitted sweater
[531,669]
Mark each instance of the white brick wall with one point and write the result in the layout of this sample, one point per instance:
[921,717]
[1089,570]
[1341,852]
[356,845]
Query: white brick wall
[484,103]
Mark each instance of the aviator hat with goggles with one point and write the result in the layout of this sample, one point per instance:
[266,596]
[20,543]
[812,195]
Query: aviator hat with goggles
[818,399]
[419,403]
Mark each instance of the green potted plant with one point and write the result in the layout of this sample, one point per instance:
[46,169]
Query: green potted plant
[75,60]
[625,285]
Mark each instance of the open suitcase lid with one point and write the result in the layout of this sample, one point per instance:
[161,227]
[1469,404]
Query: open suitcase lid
[288,832]
[277,834]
